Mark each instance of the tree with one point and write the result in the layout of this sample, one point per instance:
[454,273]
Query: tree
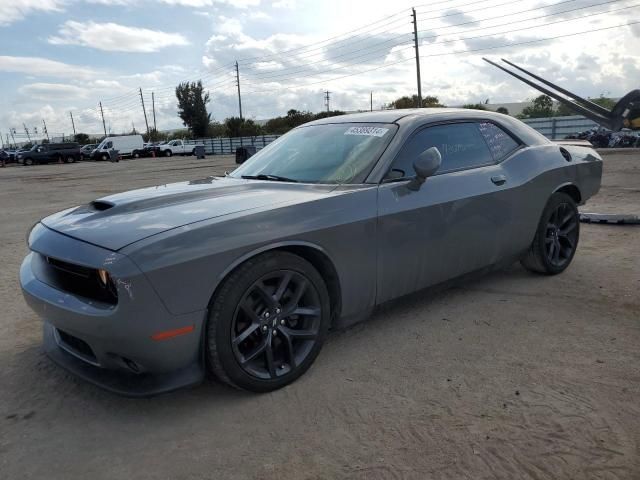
[474,106]
[603,101]
[81,138]
[411,102]
[503,110]
[431,102]
[541,107]
[216,129]
[192,107]
[237,127]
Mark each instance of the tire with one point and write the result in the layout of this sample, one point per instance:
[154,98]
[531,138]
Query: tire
[70,159]
[193,152]
[168,153]
[294,340]
[557,236]
[28,162]
[136,155]
[104,157]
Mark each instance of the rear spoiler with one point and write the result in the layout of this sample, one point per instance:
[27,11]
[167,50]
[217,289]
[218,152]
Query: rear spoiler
[573,142]
[625,113]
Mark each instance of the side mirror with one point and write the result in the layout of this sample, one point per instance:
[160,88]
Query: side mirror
[427,163]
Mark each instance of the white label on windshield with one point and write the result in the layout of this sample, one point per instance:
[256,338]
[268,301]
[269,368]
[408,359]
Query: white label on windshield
[368,131]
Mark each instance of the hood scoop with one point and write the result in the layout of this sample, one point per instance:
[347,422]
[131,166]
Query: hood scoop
[100,205]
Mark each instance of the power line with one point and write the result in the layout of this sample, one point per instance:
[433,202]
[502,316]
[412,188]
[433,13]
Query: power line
[328,40]
[320,50]
[452,53]
[288,73]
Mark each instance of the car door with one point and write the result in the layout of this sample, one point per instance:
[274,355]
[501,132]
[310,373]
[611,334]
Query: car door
[454,224]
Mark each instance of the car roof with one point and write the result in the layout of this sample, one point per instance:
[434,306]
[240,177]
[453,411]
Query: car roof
[390,116]
[413,117]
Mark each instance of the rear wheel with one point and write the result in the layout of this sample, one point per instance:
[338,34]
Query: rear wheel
[267,322]
[556,238]
[70,159]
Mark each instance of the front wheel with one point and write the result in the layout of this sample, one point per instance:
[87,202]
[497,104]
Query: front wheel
[28,162]
[267,322]
[168,153]
[556,239]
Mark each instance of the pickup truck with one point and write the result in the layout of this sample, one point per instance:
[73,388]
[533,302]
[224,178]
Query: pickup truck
[50,152]
[176,147]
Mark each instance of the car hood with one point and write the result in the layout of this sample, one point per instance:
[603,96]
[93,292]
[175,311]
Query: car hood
[116,221]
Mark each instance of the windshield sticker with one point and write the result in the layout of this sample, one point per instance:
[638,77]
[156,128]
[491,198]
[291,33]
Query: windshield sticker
[368,131]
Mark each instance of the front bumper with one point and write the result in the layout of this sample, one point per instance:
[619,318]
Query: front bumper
[111,345]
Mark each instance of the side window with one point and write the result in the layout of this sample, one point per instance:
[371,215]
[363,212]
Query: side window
[461,145]
[499,142]
[109,145]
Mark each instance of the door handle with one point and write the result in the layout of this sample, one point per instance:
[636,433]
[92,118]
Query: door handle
[499,179]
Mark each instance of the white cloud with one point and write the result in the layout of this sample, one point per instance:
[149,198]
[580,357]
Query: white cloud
[284,4]
[14,10]
[53,91]
[43,67]
[115,38]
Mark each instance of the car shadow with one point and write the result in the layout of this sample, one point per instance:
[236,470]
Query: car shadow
[35,384]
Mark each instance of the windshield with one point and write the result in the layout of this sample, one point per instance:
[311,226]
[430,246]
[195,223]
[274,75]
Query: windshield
[330,153]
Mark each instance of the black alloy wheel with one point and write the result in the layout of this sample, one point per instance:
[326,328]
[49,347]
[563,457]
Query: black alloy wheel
[556,238]
[561,237]
[267,322]
[276,324]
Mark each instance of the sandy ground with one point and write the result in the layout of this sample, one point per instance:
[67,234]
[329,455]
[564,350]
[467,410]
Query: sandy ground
[513,376]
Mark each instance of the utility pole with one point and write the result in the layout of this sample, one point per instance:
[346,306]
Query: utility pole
[239,97]
[13,131]
[371,100]
[153,107]
[46,132]
[104,126]
[415,42]
[145,112]
[326,99]
[27,132]
[73,123]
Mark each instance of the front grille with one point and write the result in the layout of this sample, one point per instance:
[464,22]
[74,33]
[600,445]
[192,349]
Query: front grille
[80,280]
[76,345]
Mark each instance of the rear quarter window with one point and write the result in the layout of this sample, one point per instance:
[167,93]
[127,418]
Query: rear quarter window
[500,143]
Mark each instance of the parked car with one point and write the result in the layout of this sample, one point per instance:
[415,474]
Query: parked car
[126,145]
[50,152]
[176,147]
[151,149]
[142,292]
[85,150]
[11,155]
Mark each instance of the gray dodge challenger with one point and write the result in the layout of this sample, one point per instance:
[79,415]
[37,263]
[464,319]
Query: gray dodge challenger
[242,276]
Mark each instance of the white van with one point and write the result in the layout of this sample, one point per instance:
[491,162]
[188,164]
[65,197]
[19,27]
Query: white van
[126,145]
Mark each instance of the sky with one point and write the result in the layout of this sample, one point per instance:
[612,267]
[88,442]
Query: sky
[62,56]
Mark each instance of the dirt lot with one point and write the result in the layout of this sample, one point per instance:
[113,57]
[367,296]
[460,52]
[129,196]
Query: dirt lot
[513,376]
